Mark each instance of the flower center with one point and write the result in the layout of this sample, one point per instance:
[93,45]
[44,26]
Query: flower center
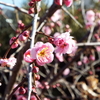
[63,45]
[43,53]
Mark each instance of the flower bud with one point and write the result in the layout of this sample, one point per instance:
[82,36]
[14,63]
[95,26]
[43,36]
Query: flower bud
[31,3]
[15,44]
[58,2]
[22,90]
[35,69]
[37,77]
[31,10]
[68,3]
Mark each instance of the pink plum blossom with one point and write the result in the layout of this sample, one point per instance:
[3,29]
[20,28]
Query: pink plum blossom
[43,53]
[68,29]
[68,3]
[85,60]
[3,62]
[15,44]
[27,56]
[8,62]
[11,62]
[56,34]
[92,58]
[39,85]
[64,43]
[57,16]
[89,24]
[59,57]
[46,30]
[66,71]
[90,16]
[52,25]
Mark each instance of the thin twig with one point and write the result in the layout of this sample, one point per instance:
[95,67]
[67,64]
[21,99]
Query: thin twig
[91,33]
[88,44]
[83,10]
[34,28]
[64,9]
[17,8]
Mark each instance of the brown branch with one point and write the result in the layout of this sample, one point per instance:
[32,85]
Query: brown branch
[5,56]
[15,71]
[17,8]
[20,84]
[56,77]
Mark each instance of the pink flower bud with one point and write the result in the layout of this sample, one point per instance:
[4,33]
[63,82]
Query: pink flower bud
[22,90]
[20,97]
[37,77]
[46,30]
[59,57]
[51,40]
[66,71]
[15,44]
[90,16]
[90,72]
[31,10]
[31,3]
[58,2]
[68,3]
[24,36]
[92,58]
[52,24]
[35,69]
[33,98]
[21,25]
[58,85]
[85,60]
[79,63]
[27,56]
[46,85]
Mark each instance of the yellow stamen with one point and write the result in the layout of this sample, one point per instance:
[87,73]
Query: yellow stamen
[42,53]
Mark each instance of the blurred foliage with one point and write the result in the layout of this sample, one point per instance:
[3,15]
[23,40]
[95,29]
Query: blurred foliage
[6,31]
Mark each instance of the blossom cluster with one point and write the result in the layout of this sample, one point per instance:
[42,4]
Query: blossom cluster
[10,62]
[31,4]
[42,53]
[14,41]
[90,18]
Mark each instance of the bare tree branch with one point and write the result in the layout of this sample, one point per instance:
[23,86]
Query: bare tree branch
[19,9]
